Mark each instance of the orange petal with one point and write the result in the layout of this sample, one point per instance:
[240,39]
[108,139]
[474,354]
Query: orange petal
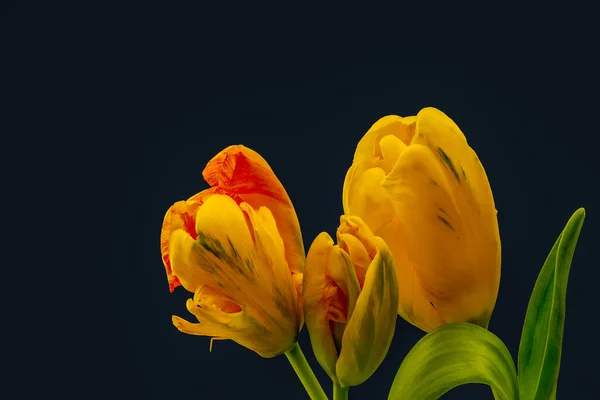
[180,215]
[240,171]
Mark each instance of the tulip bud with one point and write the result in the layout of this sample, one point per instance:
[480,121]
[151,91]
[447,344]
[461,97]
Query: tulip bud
[350,297]
[418,185]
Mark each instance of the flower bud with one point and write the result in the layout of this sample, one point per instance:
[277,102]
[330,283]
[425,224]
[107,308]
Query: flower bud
[350,297]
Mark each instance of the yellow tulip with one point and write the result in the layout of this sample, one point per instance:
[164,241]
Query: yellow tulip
[237,246]
[418,185]
[350,301]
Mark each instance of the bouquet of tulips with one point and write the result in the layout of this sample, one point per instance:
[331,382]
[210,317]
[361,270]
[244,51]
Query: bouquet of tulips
[419,238]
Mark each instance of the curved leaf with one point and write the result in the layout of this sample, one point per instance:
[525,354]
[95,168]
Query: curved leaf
[541,339]
[454,355]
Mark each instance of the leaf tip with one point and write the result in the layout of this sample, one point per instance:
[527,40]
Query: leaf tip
[577,217]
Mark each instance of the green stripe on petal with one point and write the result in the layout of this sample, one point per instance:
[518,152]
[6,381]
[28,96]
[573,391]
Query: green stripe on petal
[370,330]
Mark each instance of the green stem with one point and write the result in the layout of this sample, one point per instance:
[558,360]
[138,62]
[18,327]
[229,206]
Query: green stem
[340,393]
[305,373]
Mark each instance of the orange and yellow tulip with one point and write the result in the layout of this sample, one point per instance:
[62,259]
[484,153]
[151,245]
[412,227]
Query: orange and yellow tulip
[417,184]
[238,247]
[350,301]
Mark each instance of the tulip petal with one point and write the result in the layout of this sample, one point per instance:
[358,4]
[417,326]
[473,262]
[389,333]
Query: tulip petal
[274,268]
[220,219]
[368,147]
[188,265]
[318,291]
[341,270]
[366,197]
[362,194]
[180,216]
[370,330]
[357,252]
[239,328]
[360,230]
[197,329]
[356,239]
[419,192]
[213,317]
[241,171]
[222,256]
[466,176]
[390,147]
[441,239]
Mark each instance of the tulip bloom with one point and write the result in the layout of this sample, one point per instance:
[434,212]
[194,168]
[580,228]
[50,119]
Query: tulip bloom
[417,184]
[350,301]
[237,246]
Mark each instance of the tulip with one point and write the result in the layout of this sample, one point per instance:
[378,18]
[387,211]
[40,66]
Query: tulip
[350,301]
[418,185]
[237,247]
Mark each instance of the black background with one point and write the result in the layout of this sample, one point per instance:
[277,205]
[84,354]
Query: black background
[110,112]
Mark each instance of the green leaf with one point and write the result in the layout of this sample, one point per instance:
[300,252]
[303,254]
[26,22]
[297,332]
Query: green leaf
[541,339]
[454,355]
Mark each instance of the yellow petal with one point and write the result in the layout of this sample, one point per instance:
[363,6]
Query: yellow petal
[222,256]
[370,330]
[357,240]
[357,253]
[193,271]
[241,327]
[391,147]
[365,197]
[221,222]
[213,309]
[317,292]
[342,271]
[207,307]
[375,154]
[281,299]
[369,200]
[453,257]
[470,189]
[180,216]
[237,327]
[195,328]
[368,146]
[466,176]
[355,226]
